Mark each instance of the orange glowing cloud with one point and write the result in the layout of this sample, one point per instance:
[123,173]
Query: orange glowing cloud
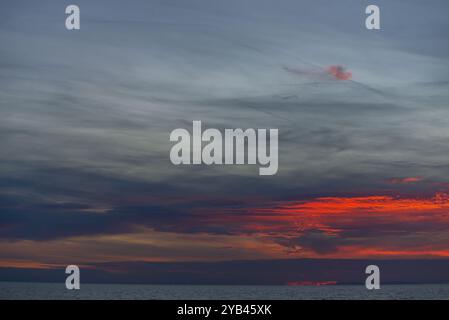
[369,204]
[353,227]
[372,226]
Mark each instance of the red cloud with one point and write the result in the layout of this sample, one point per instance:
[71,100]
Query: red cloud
[312,283]
[339,72]
[349,227]
[404,180]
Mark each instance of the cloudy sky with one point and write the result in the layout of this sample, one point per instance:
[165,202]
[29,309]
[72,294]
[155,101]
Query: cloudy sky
[85,119]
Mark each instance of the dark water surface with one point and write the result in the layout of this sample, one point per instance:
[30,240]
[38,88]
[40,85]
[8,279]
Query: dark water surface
[26,290]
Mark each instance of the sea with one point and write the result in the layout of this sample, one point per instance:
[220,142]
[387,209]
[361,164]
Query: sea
[46,291]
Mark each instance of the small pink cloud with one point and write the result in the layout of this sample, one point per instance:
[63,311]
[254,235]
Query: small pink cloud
[404,180]
[339,72]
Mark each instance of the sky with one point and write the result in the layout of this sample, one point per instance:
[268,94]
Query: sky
[86,115]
